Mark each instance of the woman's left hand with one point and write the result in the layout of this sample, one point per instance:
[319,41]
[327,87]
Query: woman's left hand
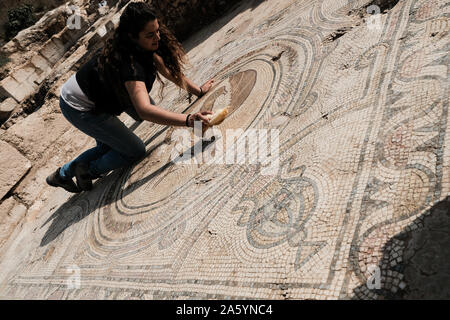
[207,86]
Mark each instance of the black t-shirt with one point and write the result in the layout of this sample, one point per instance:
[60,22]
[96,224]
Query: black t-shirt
[102,93]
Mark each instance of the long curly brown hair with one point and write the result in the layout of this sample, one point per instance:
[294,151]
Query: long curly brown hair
[120,49]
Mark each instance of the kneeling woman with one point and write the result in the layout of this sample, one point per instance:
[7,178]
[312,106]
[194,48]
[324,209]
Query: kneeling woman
[118,79]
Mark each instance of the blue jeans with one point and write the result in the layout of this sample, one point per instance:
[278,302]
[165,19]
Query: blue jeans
[117,146]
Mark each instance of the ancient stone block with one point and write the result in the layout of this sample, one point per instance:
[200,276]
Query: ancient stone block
[52,50]
[70,36]
[43,68]
[34,134]
[66,147]
[13,167]
[41,63]
[9,87]
[6,86]
[26,74]
[6,108]
[102,31]
[116,19]
[60,45]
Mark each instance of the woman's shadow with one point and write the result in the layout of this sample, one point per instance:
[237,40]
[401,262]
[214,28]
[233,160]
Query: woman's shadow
[81,205]
[423,264]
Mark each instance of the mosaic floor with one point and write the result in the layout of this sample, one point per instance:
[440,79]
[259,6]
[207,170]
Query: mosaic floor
[362,116]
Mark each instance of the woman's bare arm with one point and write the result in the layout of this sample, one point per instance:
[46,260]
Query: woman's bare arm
[146,111]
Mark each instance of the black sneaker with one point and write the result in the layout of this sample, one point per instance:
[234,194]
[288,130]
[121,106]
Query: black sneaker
[55,180]
[84,179]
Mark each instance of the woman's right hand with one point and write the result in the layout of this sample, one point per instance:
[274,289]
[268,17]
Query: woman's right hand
[207,86]
[199,116]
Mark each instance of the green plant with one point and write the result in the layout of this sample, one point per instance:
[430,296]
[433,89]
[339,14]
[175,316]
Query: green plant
[19,19]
